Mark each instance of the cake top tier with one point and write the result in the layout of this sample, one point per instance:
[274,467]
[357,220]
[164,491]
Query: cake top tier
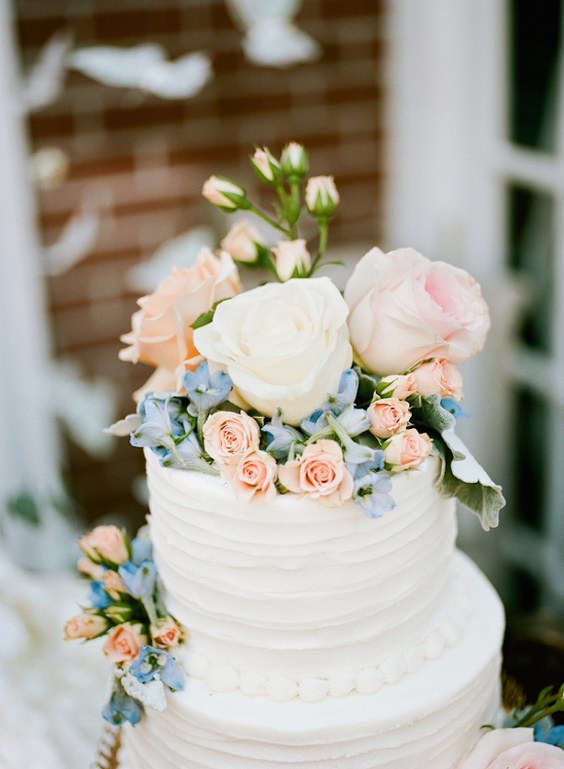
[293,387]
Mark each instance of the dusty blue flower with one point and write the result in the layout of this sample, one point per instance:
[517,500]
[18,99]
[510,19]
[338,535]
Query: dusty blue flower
[141,550]
[157,664]
[371,492]
[354,421]
[454,408]
[122,707]
[188,455]
[280,437]
[207,390]
[315,422]
[98,597]
[348,388]
[160,425]
[139,581]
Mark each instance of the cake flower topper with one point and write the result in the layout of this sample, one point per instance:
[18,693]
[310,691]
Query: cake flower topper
[125,605]
[292,387]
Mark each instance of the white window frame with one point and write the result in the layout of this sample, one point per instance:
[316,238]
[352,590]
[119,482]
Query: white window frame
[449,164]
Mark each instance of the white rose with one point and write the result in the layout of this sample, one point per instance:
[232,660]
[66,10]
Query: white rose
[284,345]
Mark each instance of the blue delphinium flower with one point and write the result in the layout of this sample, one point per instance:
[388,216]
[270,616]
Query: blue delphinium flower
[122,707]
[545,731]
[139,581]
[188,455]
[315,422]
[280,437]
[98,597]
[141,550]
[371,492]
[160,425]
[207,390]
[454,408]
[348,388]
[157,664]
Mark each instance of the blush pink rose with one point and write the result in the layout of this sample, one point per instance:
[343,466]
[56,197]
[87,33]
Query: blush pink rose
[397,386]
[320,473]
[90,569]
[438,376]
[105,543]
[161,332]
[388,416]
[123,643]
[513,749]
[253,476]
[227,435]
[85,626]
[407,450]
[405,308]
[166,633]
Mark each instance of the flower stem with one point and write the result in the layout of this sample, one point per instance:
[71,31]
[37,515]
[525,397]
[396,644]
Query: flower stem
[269,220]
[323,238]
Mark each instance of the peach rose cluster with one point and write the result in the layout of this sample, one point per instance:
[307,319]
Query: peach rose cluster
[319,473]
[405,309]
[513,749]
[232,440]
[161,333]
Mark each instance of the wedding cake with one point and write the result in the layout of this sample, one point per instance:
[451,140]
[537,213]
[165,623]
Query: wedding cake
[298,600]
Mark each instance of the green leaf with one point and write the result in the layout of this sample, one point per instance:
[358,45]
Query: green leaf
[206,317]
[24,507]
[433,415]
[466,480]
[367,384]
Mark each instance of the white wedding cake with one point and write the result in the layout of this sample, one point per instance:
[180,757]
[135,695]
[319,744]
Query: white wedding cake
[299,600]
[318,637]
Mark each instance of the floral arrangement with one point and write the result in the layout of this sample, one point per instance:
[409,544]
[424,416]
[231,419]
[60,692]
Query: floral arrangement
[293,387]
[125,605]
[529,738]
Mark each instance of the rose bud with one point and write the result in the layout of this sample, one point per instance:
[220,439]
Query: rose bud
[321,196]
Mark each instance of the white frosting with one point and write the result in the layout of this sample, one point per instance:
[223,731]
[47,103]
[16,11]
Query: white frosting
[294,599]
[318,637]
[428,719]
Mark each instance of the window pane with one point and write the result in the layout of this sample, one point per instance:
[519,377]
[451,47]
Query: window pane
[530,244]
[529,459]
[534,45]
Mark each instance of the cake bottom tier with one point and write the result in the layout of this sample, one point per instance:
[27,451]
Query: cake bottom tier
[430,718]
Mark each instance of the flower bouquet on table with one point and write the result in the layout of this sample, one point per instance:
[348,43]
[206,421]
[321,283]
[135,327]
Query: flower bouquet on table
[529,738]
[292,387]
[125,604]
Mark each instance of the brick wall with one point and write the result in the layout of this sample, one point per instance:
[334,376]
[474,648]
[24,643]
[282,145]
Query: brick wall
[143,160]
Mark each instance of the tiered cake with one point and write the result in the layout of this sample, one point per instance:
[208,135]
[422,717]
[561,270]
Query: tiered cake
[319,637]
[311,609]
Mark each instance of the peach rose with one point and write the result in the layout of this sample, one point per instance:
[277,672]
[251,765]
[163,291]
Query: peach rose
[105,543]
[85,626]
[406,450]
[241,242]
[397,386]
[405,308]
[90,569]
[388,416]
[161,332]
[113,584]
[123,643]
[227,435]
[253,476]
[292,257]
[439,376]
[166,633]
[513,749]
[320,473]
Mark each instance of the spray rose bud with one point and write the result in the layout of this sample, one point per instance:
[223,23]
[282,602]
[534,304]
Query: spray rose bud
[294,161]
[321,196]
[85,626]
[267,168]
[243,242]
[225,194]
[292,259]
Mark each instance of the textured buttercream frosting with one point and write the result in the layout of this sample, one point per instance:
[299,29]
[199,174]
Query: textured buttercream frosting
[294,598]
[428,719]
[318,637]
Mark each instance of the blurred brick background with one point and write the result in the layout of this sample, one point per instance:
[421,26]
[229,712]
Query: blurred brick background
[142,160]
